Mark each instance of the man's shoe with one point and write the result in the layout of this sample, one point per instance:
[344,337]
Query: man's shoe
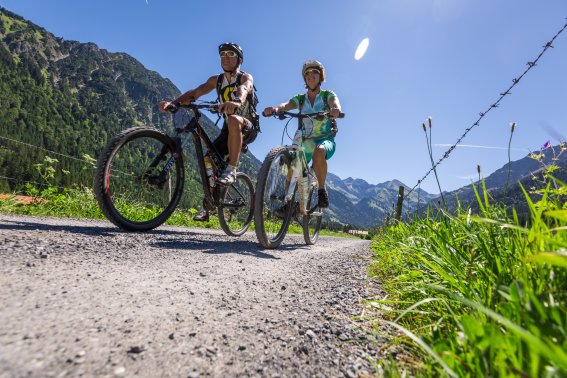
[228,177]
[323,198]
[280,213]
[201,216]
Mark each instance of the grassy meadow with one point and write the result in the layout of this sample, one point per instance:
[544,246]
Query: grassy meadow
[477,295]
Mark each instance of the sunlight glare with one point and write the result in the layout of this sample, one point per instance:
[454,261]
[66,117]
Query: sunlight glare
[361,49]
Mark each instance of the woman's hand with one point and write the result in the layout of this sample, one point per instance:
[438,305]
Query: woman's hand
[269,111]
[334,112]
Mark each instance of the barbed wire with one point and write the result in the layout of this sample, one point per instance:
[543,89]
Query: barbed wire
[90,163]
[530,64]
[32,182]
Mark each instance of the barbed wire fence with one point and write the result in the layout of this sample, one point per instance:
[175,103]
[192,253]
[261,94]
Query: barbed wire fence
[86,162]
[515,81]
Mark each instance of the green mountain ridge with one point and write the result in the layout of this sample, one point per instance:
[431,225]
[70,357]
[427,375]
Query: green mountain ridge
[505,184]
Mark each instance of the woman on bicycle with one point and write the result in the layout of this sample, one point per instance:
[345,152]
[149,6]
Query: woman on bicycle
[235,91]
[316,137]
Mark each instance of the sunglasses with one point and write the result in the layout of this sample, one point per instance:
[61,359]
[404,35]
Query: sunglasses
[312,71]
[230,54]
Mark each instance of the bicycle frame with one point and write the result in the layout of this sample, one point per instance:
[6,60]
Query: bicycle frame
[199,136]
[300,169]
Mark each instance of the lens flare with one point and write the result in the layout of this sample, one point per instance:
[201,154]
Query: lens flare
[361,49]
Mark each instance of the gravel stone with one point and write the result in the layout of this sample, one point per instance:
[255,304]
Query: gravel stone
[86,289]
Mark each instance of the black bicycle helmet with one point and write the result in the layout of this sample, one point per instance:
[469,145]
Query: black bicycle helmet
[230,46]
[311,63]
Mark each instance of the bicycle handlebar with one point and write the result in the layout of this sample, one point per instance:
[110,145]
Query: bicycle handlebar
[317,115]
[213,107]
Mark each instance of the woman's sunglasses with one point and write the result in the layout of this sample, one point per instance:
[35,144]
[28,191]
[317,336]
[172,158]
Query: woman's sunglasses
[312,71]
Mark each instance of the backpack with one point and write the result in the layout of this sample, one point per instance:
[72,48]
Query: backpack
[326,108]
[252,100]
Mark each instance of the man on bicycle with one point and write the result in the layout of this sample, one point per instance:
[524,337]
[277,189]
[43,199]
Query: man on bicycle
[316,137]
[235,93]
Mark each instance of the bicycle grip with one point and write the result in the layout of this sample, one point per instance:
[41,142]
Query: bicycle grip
[172,108]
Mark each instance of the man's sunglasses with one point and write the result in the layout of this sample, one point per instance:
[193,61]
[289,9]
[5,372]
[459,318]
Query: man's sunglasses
[230,54]
[312,71]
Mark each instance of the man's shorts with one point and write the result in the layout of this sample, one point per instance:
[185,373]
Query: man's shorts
[221,142]
[310,144]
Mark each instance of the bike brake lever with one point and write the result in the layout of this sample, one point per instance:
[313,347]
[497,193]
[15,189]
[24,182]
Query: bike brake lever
[281,117]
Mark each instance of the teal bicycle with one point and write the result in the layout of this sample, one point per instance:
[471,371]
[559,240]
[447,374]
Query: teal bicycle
[287,188]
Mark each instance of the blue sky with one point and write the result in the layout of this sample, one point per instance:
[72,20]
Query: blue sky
[448,59]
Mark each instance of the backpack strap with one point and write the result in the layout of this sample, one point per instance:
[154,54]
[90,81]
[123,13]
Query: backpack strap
[300,105]
[326,106]
[219,86]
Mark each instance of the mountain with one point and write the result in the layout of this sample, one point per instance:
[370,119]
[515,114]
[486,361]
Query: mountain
[503,185]
[356,202]
[66,99]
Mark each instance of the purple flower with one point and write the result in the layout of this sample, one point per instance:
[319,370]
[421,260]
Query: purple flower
[546,145]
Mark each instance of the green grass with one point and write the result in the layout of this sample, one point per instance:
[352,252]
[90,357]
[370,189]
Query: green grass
[481,295]
[81,203]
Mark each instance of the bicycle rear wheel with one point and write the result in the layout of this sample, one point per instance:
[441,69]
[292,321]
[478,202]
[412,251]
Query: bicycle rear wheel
[134,188]
[312,221]
[272,213]
[237,206]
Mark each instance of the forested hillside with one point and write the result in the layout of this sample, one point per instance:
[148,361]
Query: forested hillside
[69,98]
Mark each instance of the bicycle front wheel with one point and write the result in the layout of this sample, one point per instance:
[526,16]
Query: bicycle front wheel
[237,206]
[272,213]
[136,182]
[312,221]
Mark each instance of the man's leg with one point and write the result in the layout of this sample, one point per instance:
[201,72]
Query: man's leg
[235,124]
[234,142]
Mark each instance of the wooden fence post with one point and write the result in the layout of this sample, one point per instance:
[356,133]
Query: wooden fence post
[400,202]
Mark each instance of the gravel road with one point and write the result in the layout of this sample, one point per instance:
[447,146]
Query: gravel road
[82,298]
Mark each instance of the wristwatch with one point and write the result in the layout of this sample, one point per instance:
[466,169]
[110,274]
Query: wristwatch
[237,99]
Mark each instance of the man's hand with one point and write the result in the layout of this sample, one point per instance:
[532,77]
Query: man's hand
[229,107]
[168,106]
[162,105]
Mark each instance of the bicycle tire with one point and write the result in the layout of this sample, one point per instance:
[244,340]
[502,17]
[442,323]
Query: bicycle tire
[237,206]
[128,192]
[271,216]
[312,222]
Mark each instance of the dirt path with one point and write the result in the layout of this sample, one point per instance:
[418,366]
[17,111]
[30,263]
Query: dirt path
[81,298]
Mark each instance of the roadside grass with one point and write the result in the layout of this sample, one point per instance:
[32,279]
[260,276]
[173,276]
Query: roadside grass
[478,295]
[81,203]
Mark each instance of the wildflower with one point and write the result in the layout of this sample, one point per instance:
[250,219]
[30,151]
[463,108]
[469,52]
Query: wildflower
[546,145]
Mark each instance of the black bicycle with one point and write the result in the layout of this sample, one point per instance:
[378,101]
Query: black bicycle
[287,188]
[140,176]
